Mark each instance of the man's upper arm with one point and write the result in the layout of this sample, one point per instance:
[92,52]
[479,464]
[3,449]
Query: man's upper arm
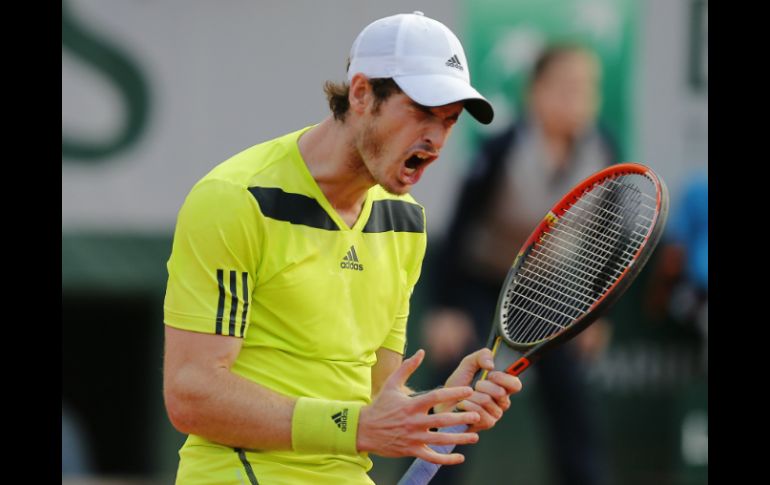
[183,348]
[387,363]
[191,360]
[212,268]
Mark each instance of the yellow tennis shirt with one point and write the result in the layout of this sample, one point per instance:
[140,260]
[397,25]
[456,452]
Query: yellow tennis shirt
[260,254]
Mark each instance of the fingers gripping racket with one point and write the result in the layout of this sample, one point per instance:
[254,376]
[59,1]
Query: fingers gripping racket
[578,261]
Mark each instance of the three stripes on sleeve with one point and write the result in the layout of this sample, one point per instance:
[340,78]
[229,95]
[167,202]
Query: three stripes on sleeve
[235,303]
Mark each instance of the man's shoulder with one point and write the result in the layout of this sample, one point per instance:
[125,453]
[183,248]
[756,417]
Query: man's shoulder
[266,160]
[226,187]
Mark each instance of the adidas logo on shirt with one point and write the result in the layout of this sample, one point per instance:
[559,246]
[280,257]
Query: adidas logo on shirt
[455,62]
[350,261]
[341,419]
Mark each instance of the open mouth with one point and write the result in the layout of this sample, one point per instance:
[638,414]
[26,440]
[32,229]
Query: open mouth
[415,165]
[414,162]
[418,160]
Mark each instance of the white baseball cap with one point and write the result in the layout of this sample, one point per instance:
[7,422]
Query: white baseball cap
[423,57]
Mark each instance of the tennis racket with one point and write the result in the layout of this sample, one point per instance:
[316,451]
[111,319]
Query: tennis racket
[578,261]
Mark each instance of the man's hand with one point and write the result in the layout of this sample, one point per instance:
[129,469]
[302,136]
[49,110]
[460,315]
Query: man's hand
[397,425]
[490,399]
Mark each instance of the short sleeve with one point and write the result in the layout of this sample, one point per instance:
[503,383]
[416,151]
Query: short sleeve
[214,260]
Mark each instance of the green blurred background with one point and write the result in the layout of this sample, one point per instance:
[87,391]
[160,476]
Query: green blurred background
[155,93]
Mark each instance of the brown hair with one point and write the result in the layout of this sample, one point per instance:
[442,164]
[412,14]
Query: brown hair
[553,53]
[337,95]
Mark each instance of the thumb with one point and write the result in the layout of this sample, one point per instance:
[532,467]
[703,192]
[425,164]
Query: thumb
[478,361]
[405,370]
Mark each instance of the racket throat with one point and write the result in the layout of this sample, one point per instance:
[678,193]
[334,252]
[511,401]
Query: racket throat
[518,367]
[512,361]
[504,355]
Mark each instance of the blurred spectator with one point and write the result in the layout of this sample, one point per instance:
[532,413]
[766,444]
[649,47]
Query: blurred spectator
[515,179]
[678,287]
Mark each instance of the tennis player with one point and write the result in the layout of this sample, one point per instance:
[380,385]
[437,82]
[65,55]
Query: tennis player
[290,277]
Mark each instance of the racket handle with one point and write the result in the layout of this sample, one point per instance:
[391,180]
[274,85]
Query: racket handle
[420,472]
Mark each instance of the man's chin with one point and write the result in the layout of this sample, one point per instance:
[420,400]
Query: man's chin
[400,189]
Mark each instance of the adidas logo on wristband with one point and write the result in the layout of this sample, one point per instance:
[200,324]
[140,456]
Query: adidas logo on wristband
[341,419]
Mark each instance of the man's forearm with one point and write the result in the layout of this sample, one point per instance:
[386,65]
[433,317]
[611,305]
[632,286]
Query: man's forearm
[226,408]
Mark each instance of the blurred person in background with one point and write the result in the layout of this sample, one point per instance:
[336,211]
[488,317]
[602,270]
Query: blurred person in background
[678,287]
[514,180]
[290,276]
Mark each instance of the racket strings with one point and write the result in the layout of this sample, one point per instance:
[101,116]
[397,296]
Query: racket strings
[604,238]
[579,258]
[551,318]
[606,206]
[554,312]
[618,211]
[631,206]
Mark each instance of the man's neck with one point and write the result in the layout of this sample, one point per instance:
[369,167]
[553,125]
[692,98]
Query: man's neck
[329,152]
[559,147]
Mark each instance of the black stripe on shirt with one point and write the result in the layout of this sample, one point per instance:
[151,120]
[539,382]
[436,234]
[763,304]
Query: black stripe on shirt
[247,466]
[221,304]
[245,278]
[293,208]
[395,215]
[233,301]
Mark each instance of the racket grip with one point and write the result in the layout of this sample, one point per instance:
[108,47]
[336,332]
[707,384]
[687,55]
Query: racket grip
[421,472]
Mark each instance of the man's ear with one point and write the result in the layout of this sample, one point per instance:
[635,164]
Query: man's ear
[360,94]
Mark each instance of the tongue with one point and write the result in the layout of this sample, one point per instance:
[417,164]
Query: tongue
[411,175]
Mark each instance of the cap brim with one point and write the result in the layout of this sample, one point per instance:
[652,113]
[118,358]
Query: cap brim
[439,90]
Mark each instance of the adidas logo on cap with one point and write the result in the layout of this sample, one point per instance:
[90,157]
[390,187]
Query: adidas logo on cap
[350,261]
[455,62]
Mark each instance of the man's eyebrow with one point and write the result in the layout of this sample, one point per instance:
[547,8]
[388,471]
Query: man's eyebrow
[429,110]
[422,107]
